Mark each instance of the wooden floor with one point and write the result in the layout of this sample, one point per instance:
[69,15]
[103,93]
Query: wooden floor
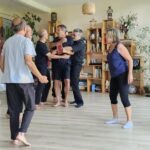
[83,129]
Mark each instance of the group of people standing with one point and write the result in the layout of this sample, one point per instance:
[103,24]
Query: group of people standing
[66,66]
[19,68]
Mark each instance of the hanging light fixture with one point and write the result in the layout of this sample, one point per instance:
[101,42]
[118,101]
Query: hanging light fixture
[88,8]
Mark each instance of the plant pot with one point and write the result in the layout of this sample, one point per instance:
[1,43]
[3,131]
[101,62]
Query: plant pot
[147,91]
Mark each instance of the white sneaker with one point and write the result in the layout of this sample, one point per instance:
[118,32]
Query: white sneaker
[112,121]
[128,125]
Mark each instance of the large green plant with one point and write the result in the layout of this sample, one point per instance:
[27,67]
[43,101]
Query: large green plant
[32,19]
[142,38]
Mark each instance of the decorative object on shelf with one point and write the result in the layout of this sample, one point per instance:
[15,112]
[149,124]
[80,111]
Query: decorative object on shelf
[53,17]
[31,20]
[93,23]
[88,8]
[109,13]
[127,23]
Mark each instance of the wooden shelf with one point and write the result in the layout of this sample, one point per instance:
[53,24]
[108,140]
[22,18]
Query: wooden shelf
[99,41]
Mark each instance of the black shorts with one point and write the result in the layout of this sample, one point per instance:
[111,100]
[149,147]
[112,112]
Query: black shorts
[61,71]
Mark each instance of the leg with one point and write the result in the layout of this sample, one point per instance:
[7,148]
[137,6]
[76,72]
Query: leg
[75,74]
[14,107]
[114,103]
[66,89]
[123,90]
[46,88]
[38,93]
[57,84]
[66,77]
[28,98]
[62,89]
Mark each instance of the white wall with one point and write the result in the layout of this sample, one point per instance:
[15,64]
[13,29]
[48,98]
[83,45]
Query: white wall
[72,15]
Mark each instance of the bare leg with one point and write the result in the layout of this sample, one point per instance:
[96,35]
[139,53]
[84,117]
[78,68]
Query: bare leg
[66,89]
[57,85]
[114,110]
[115,115]
[128,111]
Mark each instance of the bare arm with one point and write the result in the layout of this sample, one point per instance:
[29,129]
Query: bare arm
[34,70]
[125,54]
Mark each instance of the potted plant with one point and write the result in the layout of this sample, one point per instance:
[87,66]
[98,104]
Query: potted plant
[142,38]
[127,23]
[32,19]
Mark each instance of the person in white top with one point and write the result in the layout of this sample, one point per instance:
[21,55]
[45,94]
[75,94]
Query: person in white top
[17,64]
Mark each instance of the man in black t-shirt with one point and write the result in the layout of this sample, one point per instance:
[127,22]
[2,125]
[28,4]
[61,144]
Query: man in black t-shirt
[61,67]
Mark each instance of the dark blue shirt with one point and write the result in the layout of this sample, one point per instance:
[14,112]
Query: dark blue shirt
[69,42]
[117,64]
[41,50]
[79,51]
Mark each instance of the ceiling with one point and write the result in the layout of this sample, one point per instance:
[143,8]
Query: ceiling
[39,5]
[56,3]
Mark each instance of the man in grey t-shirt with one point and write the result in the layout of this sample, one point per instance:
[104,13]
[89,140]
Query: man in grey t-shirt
[17,65]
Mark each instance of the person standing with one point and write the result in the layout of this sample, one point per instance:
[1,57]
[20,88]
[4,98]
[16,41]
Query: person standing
[61,67]
[17,65]
[41,61]
[78,48]
[121,67]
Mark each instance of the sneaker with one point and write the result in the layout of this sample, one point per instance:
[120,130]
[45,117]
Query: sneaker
[112,121]
[128,125]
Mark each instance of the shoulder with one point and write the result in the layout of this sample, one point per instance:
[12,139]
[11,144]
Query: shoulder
[121,48]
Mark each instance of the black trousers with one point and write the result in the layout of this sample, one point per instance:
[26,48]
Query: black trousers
[17,94]
[46,88]
[74,76]
[120,85]
[40,88]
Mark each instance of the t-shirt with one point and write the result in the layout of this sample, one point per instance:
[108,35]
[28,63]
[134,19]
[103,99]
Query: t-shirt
[14,51]
[41,50]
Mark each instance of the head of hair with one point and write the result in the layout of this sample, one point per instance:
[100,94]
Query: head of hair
[62,27]
[113,34]
[78,30]
[18,24]
[41,33]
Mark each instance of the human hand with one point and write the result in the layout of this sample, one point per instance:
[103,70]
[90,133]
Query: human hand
[43,79]
[130,78]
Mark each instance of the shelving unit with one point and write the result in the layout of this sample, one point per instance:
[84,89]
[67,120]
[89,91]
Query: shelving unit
[52,30]
[92,71]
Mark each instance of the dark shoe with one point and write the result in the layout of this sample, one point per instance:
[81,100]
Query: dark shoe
[78,105]
[72,102]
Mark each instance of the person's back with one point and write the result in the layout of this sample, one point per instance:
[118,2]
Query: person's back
[16,70]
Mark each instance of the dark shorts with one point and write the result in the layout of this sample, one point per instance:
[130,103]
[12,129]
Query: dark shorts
[61,71]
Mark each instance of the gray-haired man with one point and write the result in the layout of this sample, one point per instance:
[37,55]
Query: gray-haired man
[17,65]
